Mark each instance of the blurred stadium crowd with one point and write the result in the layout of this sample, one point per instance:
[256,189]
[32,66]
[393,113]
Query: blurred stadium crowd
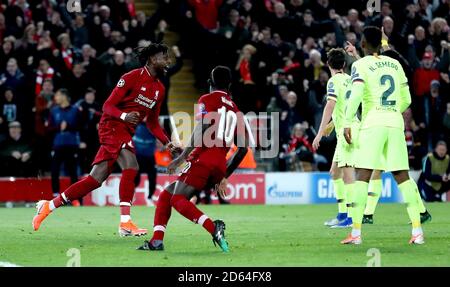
[277,50]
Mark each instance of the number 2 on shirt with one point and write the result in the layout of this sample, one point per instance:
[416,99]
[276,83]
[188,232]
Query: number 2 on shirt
[389,91]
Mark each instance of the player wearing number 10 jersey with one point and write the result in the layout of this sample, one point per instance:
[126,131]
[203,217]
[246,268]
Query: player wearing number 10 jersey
[221,123]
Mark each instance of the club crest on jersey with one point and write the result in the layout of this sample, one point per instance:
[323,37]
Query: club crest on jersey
[156,95]
[121,83]
[143,89]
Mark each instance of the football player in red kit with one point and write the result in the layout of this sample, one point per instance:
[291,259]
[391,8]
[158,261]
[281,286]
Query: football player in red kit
[206,166]
[138,94]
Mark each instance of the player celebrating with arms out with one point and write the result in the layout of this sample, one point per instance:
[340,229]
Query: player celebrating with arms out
[380,84]
[206,164]
[138,94]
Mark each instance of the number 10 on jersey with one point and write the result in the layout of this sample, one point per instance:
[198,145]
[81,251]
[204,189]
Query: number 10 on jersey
[228,122]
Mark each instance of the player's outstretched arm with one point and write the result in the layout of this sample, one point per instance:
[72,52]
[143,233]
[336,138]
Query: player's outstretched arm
[235,160]
[328,129]
[109,107]
[384,41]
[233,163]
[405,98]
[351,51]
[356,93]
[405,95]
[353,102]
[326,117]
[195,140]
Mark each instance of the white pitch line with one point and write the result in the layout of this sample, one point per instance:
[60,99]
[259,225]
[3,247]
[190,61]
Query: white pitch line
[8,264]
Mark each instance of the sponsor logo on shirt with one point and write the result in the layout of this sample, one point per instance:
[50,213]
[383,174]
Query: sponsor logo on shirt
[146,102]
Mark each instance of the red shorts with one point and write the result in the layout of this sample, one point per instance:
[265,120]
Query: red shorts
[113,138]
[201,174]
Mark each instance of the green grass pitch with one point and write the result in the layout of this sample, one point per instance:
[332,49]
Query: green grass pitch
[258,236]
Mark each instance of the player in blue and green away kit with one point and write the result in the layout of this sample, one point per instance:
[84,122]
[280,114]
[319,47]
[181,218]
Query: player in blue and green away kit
[380,84]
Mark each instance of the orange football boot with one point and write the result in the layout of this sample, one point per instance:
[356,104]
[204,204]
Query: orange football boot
[130,229]
[417,239]
[43,210]
[352,240]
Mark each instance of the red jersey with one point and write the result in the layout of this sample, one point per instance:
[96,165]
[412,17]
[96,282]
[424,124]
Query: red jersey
[226,120]
[136,91]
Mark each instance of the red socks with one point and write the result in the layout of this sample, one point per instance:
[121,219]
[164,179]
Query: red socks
[76,191]
[188,210]
[126,191]
[125,208]
[162,215]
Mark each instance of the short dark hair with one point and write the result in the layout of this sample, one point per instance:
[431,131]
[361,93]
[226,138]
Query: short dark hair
[65,92]
[221,77]
[372,35]
[48,81]
[441,143]
[90,90]
[143,53]
[336,58]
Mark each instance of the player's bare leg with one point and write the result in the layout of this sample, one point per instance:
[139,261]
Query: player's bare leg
[129,165]
[409,189]
[360,198]
[98,174]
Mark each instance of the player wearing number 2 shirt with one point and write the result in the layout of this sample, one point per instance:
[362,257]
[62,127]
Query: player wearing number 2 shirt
[380,85]
[138,95]
[221,123]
